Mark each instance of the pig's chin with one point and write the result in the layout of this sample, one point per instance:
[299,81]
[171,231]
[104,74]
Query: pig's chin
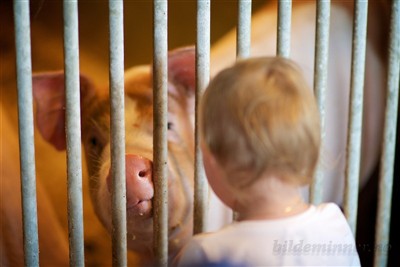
[139,239]
[140,235]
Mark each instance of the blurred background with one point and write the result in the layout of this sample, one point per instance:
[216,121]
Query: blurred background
[138,30]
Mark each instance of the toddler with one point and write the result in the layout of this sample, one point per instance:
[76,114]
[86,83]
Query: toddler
[260,130]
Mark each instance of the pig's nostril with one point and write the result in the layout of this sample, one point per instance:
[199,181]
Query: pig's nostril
[138,167]
[142,174]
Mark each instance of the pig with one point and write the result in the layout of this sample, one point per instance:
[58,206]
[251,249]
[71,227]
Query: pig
[49,94]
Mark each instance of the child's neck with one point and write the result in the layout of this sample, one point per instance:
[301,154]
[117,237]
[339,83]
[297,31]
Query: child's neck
[271,199]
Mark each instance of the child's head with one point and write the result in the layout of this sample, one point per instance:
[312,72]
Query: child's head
[260,117]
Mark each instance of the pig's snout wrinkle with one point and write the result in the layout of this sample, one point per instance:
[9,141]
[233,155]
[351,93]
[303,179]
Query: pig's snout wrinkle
[139,183]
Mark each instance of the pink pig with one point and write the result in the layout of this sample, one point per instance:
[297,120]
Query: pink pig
[50,98]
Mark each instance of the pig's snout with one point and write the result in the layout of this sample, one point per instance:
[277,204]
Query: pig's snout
[139,184]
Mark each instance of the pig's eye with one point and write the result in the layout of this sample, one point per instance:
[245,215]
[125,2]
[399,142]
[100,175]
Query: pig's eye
[172,133]
[93,141]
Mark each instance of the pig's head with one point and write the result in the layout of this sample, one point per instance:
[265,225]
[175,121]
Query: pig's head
[49,94]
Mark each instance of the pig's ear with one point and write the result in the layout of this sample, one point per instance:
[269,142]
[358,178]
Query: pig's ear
[182,69]
[49,95]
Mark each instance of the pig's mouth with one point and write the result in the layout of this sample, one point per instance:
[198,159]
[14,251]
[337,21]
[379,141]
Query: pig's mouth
[141,208]
[139,186]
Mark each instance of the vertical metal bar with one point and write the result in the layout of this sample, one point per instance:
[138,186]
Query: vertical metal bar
[160,156]
[119,241]
[389,141]
[26,132]
[73,133]
[244,29]
[321,83]
[355,113]
[243,38]
[284,22]
[202,79]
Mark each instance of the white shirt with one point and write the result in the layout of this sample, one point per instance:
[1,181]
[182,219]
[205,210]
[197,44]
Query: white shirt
[320,236]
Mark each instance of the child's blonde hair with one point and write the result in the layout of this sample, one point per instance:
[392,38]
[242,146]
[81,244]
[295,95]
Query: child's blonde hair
[260,116]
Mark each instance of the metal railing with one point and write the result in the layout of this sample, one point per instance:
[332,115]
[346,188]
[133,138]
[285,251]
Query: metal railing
[160,71]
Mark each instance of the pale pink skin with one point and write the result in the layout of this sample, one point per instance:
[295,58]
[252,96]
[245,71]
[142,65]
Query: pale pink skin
[216,177]
[50,98]
[252,203]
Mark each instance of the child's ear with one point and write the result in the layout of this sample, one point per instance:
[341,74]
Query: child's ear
[213,169]
[217,178]
[207,153]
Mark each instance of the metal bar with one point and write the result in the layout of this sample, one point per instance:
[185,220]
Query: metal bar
[202,79]
[284,22]
[243,38]
[321,83]
[355,113]
[389,141]
[244,29]
[119,241]
[160,156]
[26,132]
[73,134]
